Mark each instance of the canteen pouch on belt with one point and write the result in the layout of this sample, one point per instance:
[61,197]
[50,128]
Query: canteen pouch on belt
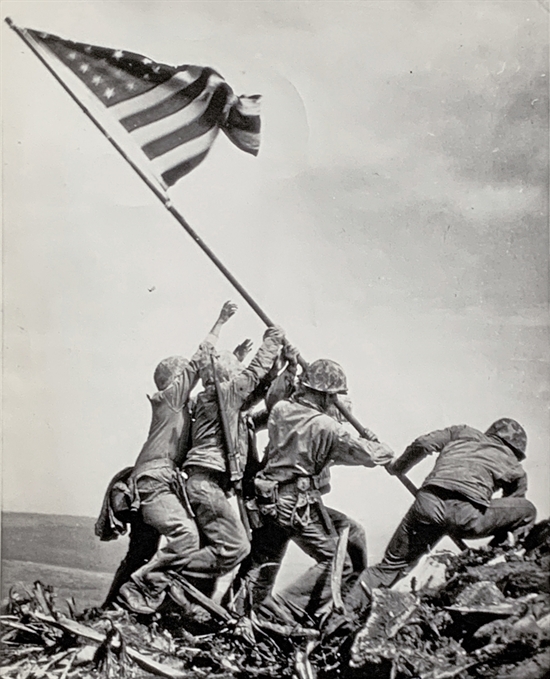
[266,496]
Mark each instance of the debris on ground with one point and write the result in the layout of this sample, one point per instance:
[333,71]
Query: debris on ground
[488,618]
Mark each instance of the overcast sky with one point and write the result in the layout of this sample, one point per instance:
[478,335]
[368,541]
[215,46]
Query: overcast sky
[395,220]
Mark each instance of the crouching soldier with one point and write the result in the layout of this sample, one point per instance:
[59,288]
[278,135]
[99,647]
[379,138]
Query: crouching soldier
[155,487]
[457,497]
[304,440]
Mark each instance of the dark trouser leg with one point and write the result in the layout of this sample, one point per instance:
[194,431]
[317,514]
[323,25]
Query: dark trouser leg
[422,527]
[505,514]
[162,510]
[312,590]
[142,546]
[259,570]
[224,537]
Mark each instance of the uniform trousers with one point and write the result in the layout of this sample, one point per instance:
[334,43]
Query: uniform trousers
[437,512]
[318,538]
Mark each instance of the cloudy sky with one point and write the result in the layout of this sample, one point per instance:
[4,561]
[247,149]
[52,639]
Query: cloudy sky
[395,220]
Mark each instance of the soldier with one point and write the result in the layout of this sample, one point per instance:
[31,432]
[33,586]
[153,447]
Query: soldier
[269,541]
[457,496]
[303,441]
[155,484]
[224,539]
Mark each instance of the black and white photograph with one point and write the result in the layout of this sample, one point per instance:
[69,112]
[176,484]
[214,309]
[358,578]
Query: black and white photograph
[275,297]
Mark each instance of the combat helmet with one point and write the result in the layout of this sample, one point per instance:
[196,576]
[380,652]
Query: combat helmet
[512,433]
[325,376]
[168,369]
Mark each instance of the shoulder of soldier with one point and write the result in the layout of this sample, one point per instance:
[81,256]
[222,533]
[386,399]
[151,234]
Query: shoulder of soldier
[465,431]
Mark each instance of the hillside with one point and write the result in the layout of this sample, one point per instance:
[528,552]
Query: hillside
[61,551]
[67,541]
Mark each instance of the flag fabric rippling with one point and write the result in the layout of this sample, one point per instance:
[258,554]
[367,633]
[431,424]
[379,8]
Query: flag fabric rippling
[172,113]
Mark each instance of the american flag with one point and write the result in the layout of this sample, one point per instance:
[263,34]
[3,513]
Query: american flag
[173,113]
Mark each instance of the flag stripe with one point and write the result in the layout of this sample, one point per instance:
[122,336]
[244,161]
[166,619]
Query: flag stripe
[160,128]
[181,154]
[167,106]
[171,176]
[184,134]
[177,82]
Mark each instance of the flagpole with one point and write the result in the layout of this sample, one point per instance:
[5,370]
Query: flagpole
[165,200]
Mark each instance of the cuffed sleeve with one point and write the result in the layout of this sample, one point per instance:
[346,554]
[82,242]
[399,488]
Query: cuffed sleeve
[349,449]
[258,367]
[516,488]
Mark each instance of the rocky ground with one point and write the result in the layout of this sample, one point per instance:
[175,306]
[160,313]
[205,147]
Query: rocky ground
[489,617]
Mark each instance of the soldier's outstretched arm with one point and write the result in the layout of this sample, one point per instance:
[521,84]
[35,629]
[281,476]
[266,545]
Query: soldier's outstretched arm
[262,362]
[349,449]
[201,358]
[227,311]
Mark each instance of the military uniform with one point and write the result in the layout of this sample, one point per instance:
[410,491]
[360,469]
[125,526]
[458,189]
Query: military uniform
[303,442]
[158,486]
[457,496]
[224,540]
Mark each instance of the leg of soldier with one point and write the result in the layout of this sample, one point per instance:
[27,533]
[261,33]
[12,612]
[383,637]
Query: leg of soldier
[224,537]
[357,540]
[162,510]
[312,590]
[143,544]
[423,525]
[505,514]
[259,570]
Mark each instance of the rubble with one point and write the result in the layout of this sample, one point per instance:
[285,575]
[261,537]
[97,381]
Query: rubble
[489,618]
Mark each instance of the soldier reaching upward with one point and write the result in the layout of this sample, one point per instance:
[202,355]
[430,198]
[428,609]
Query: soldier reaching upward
[224,540]
[157,486]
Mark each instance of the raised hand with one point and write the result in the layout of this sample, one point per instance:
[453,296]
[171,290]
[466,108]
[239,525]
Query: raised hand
[275,332]
[228,310]
[243,349]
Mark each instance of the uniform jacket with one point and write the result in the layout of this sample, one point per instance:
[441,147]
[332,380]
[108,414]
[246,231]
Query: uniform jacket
[469,462]
[304,441]
[206,433]
[170,422]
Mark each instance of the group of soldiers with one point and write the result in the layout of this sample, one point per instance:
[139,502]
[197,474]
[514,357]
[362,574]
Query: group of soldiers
[202,450]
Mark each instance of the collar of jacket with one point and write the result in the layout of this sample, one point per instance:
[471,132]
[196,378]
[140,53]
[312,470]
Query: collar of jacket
[304,401]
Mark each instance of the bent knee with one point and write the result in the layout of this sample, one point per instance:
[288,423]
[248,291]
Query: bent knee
[530,512]
[232,555]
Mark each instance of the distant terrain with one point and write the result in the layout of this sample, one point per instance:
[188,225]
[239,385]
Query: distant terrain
[61,551]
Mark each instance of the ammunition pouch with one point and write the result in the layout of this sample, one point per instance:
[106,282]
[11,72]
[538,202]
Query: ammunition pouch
[307,494]
[255,517]
[267,493]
